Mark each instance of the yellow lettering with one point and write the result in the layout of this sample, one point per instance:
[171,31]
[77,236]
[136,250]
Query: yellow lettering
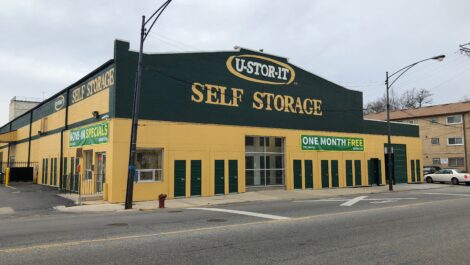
[197,95]
[236,96]
[257,101]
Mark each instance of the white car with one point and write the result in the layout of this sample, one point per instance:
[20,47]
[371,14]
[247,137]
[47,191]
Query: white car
[454,176]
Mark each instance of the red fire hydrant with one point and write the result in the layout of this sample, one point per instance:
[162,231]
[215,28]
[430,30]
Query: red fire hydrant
[161,200]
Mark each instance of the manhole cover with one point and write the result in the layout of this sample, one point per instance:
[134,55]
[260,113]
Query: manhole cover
[117,224]
[216,220]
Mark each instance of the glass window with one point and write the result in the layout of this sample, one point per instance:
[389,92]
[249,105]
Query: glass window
[249,140]
[411,122]
[455,141]
[264,163]
[434,140]
[433,119]
[148,164]
[456,161]
[436,161]
[454,119]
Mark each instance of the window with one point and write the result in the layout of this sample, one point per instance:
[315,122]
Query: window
[249,141]
[44,125]
[455,141]
[433,119]
[436,161]
[264,163]
[456,161]
[454,119]
[434,140]
[411,122]
[148,164]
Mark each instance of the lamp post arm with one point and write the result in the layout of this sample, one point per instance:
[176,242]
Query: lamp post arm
[158,13]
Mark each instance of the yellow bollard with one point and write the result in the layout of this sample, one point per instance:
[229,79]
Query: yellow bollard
[7,176]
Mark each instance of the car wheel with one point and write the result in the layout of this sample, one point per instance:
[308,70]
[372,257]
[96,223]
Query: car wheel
[455,181]
[429,180]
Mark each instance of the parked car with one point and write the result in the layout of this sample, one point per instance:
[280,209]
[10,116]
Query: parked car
[454,176]
[430,169]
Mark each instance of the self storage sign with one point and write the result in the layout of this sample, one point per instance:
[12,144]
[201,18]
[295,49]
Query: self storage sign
[331,143]
[94,134]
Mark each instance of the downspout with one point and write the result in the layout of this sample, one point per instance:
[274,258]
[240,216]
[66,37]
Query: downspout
[29,139]
[465,142]
[66,125]
[8,153]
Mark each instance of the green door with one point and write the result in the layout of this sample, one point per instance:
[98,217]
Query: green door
[44,171]
[334,173]
[399,162]
[357,173]
[232,176]
[325,177]
[196,177]
[349,173]
[418,170]
[375,171]
[413,173]
[63,174]
[46,181]
[219,182]
[55,173]
[297,174]
[180,178]
[308,174]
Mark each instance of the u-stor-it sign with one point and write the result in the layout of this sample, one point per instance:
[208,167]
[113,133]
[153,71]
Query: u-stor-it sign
[331,143]
[257,69]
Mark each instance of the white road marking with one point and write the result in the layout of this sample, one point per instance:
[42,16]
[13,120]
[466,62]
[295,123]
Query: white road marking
[353,201]
[6,210]
[374,201]
[450,194]
[260,215]
[11,187]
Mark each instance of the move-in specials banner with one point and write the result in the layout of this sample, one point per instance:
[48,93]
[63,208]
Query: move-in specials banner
[331,143]
[93,134]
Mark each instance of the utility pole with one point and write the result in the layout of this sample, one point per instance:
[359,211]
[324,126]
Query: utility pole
[136,104]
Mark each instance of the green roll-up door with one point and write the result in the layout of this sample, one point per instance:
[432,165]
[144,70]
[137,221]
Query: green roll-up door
[334,173]
[219,174]
[418,170]
[357,173]
[180,178]
[349,173]
[232,176]
[55,172]
[325,177]
[47,170]
[308,174]
[413,173]
[297,174]
[63,177]
[379,172]
[196,177]
[43,171]
[400,163]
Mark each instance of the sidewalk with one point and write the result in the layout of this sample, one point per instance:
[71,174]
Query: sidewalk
[251,196]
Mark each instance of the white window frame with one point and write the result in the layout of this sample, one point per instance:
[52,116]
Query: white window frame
[448,141]
[447,119]
[433,120]
[153,170]
[137,171]
[455,159]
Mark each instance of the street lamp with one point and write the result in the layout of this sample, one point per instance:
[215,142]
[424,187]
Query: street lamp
[388,84]
[136,102]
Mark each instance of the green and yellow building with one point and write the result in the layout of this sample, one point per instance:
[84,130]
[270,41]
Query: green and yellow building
[210,123]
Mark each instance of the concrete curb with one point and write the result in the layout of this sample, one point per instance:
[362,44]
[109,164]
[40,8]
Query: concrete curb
[258,196]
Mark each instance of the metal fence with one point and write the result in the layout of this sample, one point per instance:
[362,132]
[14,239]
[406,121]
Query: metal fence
[82,184]
[19,170]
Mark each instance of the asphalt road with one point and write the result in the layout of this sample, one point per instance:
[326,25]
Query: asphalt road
[418,227]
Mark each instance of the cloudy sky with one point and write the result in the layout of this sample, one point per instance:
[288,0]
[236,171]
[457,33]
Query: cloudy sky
[45,45]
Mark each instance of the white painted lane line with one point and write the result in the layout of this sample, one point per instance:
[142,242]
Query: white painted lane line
[353,201]
[13,188]
[260,215]
[450,194]
[6,210]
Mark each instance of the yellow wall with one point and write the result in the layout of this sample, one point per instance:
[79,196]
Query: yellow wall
[185,141]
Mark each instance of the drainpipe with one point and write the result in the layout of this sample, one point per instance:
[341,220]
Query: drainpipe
[465,142]
[66,125]
[29,139]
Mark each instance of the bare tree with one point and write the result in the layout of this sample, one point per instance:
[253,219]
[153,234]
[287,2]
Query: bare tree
[410,99]
[465,99]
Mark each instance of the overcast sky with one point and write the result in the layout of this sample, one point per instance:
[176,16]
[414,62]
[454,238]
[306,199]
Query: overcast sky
[47,45]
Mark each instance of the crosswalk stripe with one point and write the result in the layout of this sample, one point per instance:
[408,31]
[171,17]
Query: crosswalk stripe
[260,215]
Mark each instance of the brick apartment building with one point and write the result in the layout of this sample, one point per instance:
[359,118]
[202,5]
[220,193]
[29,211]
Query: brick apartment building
[444,130]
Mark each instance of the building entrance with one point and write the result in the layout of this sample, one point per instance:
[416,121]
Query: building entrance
[264,161]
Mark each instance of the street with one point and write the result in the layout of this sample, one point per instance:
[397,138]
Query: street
[414,227]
